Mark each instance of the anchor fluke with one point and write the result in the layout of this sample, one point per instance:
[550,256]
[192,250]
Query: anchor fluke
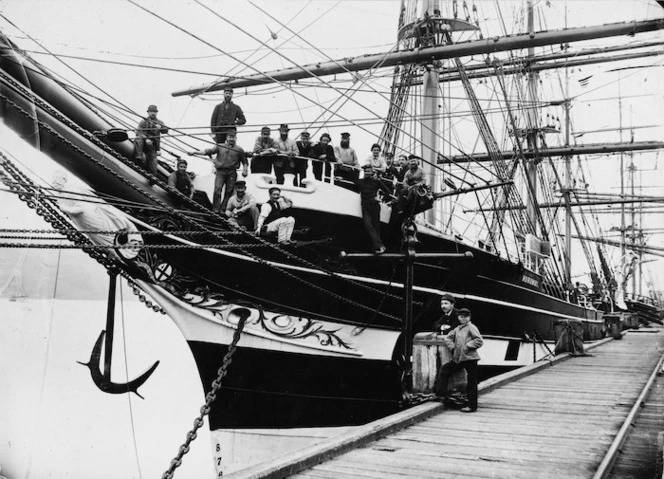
[103,380]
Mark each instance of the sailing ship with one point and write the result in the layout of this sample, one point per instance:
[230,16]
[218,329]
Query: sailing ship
[318,330]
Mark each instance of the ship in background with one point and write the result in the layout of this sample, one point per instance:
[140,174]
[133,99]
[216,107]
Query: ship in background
[323,343]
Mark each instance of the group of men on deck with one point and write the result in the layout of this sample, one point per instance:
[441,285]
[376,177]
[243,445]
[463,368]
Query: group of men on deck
[282,155]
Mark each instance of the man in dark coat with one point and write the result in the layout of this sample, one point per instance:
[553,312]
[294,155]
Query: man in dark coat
[148,140]
[368,187]
[225,116]
[450,318]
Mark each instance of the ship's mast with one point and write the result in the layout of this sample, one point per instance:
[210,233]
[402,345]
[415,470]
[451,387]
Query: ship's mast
[568,185]
[431,120]
[532,115]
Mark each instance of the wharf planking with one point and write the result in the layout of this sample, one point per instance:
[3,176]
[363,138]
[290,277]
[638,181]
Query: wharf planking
[640,457]
[542,421]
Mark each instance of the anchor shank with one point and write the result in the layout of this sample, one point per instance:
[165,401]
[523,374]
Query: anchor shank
[110,323]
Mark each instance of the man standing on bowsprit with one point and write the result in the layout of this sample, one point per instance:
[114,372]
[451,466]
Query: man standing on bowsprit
[225,116]
[148,140]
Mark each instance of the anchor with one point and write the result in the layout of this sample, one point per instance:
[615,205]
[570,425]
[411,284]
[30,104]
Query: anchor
[103,380]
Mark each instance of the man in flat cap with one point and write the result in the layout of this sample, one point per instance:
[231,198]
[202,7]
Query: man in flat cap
[226,115]
[463,342]
[241,209]
[227,159]
[449,319]
[305,150]
[324,153]
[265,149]
[180,179]
[148,140]
[349,165]
[287,149]
[274,216]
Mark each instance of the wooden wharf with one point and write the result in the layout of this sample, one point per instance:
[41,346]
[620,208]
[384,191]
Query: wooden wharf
[567,418]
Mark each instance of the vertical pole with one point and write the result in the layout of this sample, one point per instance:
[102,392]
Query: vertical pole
[532,125]
[110,323]
[410,241]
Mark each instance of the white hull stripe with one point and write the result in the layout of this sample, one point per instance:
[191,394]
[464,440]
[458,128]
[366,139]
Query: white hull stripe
[385,283]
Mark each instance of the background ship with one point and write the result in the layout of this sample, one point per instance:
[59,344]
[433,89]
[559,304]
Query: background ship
[301,338]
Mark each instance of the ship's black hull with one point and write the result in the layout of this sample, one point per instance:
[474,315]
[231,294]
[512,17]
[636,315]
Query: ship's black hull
[273,389]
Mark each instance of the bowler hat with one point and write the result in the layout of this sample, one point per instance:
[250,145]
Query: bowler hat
[152,108]
[240,183]
[447,297]
[463,312]
[284,126]
[345,135]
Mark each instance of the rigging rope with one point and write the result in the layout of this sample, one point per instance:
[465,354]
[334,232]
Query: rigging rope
[179,215]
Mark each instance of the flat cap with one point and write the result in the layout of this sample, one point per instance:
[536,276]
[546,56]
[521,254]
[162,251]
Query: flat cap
[447,297]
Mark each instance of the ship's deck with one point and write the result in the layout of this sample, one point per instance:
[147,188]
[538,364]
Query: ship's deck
[568,419]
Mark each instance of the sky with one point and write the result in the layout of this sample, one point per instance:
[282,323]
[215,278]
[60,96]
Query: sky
[204,39]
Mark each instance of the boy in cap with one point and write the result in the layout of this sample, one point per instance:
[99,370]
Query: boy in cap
[148,140]
[449,319]
[225,115]
[463,341]
[241,209]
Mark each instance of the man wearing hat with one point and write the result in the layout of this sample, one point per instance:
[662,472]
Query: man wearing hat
[241,209]
[226,114]
[348,162]
[305,150]
[324,153]
[449,319]
[275,217]
[368,187]
[463,342]
[148,137]
[265,148]
[285,147]
[227,159]
[180,179]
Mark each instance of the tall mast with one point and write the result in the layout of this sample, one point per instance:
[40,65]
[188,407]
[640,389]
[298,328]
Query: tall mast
[431,119]
[532,115]
[568,185]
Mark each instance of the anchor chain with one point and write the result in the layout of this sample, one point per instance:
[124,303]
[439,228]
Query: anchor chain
[62,226]
[172,210]
[209,399]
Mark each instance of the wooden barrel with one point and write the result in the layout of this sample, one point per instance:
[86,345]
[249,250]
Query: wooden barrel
[429,354]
